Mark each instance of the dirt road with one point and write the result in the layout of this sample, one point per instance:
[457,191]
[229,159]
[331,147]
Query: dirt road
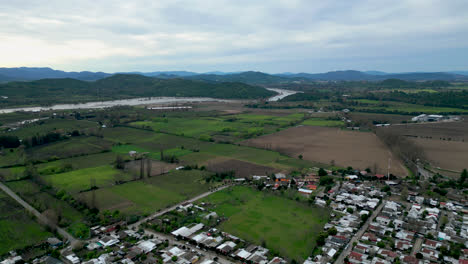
[36,213]
[159,213]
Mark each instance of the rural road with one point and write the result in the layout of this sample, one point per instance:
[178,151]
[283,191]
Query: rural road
[36,213]
[358,235]
[191,200]
[172,240]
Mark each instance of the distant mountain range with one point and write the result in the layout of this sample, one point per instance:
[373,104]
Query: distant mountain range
[250,77]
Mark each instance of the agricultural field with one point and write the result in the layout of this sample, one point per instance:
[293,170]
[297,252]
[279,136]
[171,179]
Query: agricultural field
[151,194]
[447,155]
[58,166]
[240,168]
[75,146]
[332,145]
[227,127]
[81,180]
[404,107]
[42,201]
[152,153]
[323,122]
[52,125]
[452,131]
[17,228]
[287,227]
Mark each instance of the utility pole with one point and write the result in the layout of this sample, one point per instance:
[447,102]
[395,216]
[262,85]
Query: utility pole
[388,168]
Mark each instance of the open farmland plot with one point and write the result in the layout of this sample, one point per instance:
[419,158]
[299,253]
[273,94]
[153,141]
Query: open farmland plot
[76,146]
[151,152]
[448,155]
[453,131]
[157,167]
[286,226]
[42,201]
[59,166]
[127,135]
[374,105]
[240,168]
[150,195]
[80,180]
[58,125]
[346,148]
[323,122]
[192,127]
[17,229]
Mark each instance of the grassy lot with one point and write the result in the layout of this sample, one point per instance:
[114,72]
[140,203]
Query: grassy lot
[285,226]
[58,166]
[42,201]
[79,180]
[255,155]
[127,135]
[154,154]
[268,119]
[17,229]
[45,126]
[323,122]
[151,194]
[11,157]
[76,146]
[232,126]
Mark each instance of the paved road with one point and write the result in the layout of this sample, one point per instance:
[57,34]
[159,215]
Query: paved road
[208,254]
[358,235]
[40,217]
[175,206]
[425,174]
[417,246]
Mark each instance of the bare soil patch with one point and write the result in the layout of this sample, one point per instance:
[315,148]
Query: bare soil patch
[241,168]
[448,155]
[360,150]
[453,131]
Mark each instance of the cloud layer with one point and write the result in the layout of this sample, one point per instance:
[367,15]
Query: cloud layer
[205,35]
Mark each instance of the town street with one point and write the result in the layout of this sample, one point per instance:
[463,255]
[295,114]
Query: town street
[358,235]
[36,213]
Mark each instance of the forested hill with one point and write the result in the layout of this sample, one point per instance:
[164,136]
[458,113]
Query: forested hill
[120,86]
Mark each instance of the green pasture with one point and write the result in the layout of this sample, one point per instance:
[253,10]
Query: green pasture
[150,195]
[17,228]
[58,166]
[42,201]
[323,122]
[154,154]
[287,227]
[72,147]
[80,180]
[50,125]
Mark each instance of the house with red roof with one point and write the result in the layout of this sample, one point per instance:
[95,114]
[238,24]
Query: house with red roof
[355,257]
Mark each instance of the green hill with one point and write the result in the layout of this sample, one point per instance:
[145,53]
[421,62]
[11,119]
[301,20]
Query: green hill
[120,86]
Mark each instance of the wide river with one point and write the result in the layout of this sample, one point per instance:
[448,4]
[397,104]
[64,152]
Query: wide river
[136,101]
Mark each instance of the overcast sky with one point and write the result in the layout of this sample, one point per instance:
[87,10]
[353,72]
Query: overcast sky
[267,35]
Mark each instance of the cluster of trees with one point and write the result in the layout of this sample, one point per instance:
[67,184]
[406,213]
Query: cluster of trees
[220,176]
[9,142]
[38,140]
[441,99]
